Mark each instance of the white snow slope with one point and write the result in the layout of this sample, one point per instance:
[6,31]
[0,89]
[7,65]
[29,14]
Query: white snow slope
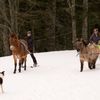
[56,78]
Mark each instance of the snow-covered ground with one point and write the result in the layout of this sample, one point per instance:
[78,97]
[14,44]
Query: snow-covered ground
[56,78]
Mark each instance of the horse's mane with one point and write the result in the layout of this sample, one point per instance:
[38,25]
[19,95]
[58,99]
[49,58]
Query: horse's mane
[85,42]
[13,35]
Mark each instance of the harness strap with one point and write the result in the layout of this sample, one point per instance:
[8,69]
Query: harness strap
[78,53]
[25,46]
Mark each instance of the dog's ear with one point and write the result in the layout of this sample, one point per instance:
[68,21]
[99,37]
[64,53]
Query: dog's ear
[3,73]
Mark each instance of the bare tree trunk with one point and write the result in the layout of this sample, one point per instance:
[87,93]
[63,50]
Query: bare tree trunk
[5,43]
[33,34]
[9,23]
[11,9]
[16,13]
[5,32]
[54,23]
[73,21]
[51,29]
[72,9]
[85,20]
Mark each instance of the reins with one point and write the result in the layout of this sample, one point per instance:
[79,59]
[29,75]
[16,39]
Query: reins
[25,46]
[78,53]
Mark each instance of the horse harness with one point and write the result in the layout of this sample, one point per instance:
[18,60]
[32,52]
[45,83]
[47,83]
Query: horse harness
[26,48]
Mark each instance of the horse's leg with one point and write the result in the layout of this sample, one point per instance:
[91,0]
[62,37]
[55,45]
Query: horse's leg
[15,63]
[82,63]
[15,67]
[20,64]
[90,65]
[94,62]
[25,64]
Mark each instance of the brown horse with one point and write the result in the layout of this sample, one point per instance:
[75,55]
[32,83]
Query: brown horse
[19,51]
[88,52]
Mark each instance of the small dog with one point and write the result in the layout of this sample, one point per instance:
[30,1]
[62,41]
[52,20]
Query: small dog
[1,80]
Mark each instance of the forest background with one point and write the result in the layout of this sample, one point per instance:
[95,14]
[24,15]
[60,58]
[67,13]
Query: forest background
[55,24]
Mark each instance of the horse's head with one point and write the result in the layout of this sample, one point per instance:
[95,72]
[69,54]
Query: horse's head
[79,44]
[13,40]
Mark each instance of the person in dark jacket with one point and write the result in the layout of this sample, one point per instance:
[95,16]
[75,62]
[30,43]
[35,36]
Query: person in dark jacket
[30,47]
[95,36]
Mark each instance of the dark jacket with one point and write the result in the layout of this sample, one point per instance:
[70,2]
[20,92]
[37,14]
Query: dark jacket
[30,43]
[94,38]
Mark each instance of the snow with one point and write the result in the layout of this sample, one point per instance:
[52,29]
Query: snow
[58,77]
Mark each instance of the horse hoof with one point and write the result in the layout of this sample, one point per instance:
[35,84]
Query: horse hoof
[94,67]
[81,70]
[31,66]
[35,65]
[90,68]
[14,72]
[19,71]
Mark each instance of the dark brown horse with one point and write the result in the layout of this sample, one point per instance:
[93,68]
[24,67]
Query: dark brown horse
[19,51]
[88,52]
